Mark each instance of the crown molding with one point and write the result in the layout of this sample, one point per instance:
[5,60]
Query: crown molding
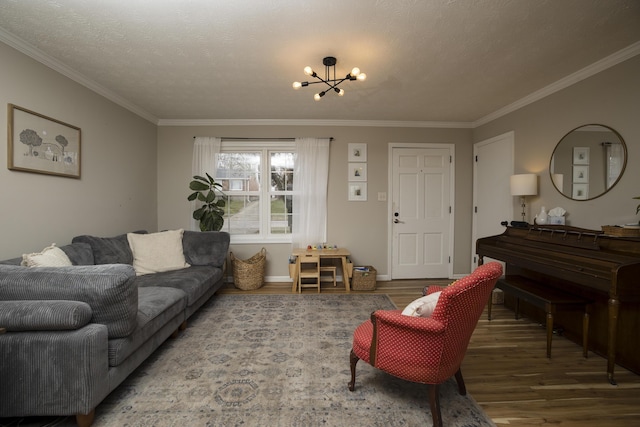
[312,122]
[47,60]
[591,70]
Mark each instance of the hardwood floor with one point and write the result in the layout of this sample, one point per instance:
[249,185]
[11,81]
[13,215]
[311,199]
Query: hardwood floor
[507,372]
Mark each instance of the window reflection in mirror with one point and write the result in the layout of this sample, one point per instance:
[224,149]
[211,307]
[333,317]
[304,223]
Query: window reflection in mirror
[588,161]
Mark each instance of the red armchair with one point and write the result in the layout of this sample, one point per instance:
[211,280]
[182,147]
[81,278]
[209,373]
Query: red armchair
[427,350]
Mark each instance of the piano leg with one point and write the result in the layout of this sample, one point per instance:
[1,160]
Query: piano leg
[614,308]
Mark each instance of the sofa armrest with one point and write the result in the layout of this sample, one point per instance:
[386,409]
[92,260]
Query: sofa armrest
[206,247]
[53,372]
[16,316]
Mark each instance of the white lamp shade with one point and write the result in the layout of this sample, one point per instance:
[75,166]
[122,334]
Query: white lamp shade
[524,184]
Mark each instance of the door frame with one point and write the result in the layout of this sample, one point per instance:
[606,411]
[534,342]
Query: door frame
[509,138]
[391,147]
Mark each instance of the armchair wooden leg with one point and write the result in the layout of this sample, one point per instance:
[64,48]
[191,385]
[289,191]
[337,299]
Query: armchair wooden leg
[85,420]
[434,403]
[353,359]
[462,389]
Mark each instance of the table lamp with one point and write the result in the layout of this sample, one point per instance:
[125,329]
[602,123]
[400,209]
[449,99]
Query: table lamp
[524,185]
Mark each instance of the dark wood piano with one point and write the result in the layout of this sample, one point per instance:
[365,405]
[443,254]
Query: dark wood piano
[604,269]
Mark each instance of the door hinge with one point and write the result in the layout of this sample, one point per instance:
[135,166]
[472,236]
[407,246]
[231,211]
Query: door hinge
[449,259]
[475,209]
[450,159]
[449,209]
[476,159]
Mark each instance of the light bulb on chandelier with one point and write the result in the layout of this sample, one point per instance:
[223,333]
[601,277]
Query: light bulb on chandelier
[329,62]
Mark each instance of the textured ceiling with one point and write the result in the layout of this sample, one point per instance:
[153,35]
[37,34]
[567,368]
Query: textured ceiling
[426,60]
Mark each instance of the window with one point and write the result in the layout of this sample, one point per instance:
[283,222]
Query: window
[257,178]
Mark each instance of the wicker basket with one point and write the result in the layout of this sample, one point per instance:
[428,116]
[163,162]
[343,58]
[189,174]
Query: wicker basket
[364,280]
[249,274]
[616,230]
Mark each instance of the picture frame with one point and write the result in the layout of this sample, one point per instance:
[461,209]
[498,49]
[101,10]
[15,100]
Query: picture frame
[581,174]
[580,155]
[41,144]
[357,152]
[580,192]
[357,171]
[357,191]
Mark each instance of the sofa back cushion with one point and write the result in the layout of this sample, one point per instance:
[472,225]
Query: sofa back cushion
[78,253]
[108,289]
[109,250]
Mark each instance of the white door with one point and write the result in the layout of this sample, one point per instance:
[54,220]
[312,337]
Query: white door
[421,211]
[492,200]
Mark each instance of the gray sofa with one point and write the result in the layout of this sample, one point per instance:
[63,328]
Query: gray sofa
[72,334]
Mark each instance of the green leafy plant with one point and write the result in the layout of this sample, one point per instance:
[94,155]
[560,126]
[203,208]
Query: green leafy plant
[211,214]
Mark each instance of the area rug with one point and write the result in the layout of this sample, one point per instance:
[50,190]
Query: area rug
[274,360]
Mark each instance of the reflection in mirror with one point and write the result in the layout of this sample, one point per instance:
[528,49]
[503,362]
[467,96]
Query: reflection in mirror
[588,162]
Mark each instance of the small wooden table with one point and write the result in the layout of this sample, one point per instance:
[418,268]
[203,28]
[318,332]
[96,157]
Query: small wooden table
[339,253]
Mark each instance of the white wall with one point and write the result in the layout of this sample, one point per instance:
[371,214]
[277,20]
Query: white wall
[359,226]
[611,98]
[117,189]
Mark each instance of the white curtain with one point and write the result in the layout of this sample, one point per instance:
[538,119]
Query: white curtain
[205,149]
[311,174]
[615,159]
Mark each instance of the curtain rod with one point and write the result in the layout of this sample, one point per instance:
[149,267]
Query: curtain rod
[233,138]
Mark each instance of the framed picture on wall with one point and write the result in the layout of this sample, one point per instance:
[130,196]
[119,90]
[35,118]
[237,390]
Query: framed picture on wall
[580,191]
[358,191]
[581,174]
[357,152]
[357,171]
[40,144]
[580,155]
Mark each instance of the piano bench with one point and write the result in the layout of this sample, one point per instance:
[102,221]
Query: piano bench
[547,298]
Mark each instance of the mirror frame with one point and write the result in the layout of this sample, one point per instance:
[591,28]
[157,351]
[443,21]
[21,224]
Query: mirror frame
[624,164]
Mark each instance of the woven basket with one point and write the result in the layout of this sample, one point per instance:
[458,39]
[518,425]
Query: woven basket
[364,280]
[616,230]
[248,274]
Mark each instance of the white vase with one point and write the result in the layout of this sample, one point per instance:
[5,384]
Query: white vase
[542,217]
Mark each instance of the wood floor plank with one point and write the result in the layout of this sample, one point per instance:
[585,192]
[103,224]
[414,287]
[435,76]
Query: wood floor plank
[507,372]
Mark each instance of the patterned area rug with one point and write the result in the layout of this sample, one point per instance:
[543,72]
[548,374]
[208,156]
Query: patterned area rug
[273,360]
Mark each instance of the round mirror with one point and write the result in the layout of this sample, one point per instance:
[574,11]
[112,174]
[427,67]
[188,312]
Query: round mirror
[588,162]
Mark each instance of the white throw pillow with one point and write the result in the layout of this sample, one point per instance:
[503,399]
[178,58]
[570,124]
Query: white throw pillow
[51,256]
[156,252]
[423,306]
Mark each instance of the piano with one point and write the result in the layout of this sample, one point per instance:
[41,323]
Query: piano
[604,269]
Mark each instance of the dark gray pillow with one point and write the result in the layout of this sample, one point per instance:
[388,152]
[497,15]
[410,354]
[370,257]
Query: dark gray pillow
[109,250]
[205,247]
[79,253]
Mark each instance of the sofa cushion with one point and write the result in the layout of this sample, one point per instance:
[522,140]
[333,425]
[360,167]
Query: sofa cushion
[43,315]
[205,247]
[157,252]
[109,250]
[156,307]
[51,256]
[194,281]
[108,289]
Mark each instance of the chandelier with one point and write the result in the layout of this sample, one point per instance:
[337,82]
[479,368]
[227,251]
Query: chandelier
[333,83]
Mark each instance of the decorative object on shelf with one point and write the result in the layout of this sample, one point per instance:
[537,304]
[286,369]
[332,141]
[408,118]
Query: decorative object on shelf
[619,231]
[638,207]
[523,185]
[556,216]
[211,214]
[542,217]
[40,144]
[329,63]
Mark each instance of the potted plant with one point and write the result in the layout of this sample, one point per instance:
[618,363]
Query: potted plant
[211,214]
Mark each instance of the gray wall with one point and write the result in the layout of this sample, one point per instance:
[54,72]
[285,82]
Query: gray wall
[611,98]
[117,190]
[359,226]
